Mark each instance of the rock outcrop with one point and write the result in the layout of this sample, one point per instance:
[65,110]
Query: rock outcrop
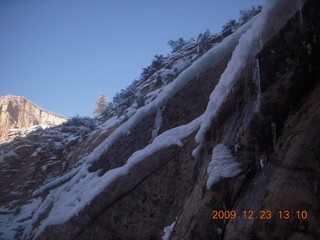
[19,116]
[249,105]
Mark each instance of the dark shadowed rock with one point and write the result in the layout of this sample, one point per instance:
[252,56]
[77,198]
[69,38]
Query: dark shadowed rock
[269,125]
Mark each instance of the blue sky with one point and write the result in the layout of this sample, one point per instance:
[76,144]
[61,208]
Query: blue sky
[62,54]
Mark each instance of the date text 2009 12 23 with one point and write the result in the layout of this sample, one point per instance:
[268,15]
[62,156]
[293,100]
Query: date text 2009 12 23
[263,214]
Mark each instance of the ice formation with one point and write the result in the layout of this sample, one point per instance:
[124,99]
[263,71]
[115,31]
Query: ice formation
[222,165]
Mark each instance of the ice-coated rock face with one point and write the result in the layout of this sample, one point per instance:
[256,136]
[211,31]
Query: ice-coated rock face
[146,175]
[18,116]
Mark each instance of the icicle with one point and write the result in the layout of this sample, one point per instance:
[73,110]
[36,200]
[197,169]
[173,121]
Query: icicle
[301,16]
[274,135]
[196,151]
[257,76]
[262,163]
[309,48]
[157,122]
[256,79]
[199,47]
[236,147]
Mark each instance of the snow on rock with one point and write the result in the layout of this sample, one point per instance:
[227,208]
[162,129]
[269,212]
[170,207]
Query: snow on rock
[208,59]
[175,68]
[222,165]
[70,198]
[74,195]
[250,43]
[56,182]
[168,231]
[152,95]
[109,123]
[10,222]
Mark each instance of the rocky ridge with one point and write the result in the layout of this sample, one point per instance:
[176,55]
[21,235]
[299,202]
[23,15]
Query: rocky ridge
[250,104]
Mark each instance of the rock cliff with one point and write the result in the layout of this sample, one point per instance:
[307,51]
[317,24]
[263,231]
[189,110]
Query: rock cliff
[225,146]
[18,117]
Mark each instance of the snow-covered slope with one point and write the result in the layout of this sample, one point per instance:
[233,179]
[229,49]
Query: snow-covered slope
[29,162]
[161,130]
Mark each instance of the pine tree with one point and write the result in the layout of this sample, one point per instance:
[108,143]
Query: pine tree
[102,103]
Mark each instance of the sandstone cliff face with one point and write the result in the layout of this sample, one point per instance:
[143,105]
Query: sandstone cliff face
[18,114]
[137,174]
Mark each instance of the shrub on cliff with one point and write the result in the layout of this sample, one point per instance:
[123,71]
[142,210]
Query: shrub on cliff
[178,44]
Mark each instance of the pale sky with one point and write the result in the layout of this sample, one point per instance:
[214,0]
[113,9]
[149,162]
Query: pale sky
[62,54]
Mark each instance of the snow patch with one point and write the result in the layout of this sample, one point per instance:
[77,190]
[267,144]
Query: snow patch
[222,165]
[168,231]
[10,223]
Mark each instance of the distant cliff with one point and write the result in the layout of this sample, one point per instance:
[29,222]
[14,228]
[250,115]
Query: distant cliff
[18,116]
